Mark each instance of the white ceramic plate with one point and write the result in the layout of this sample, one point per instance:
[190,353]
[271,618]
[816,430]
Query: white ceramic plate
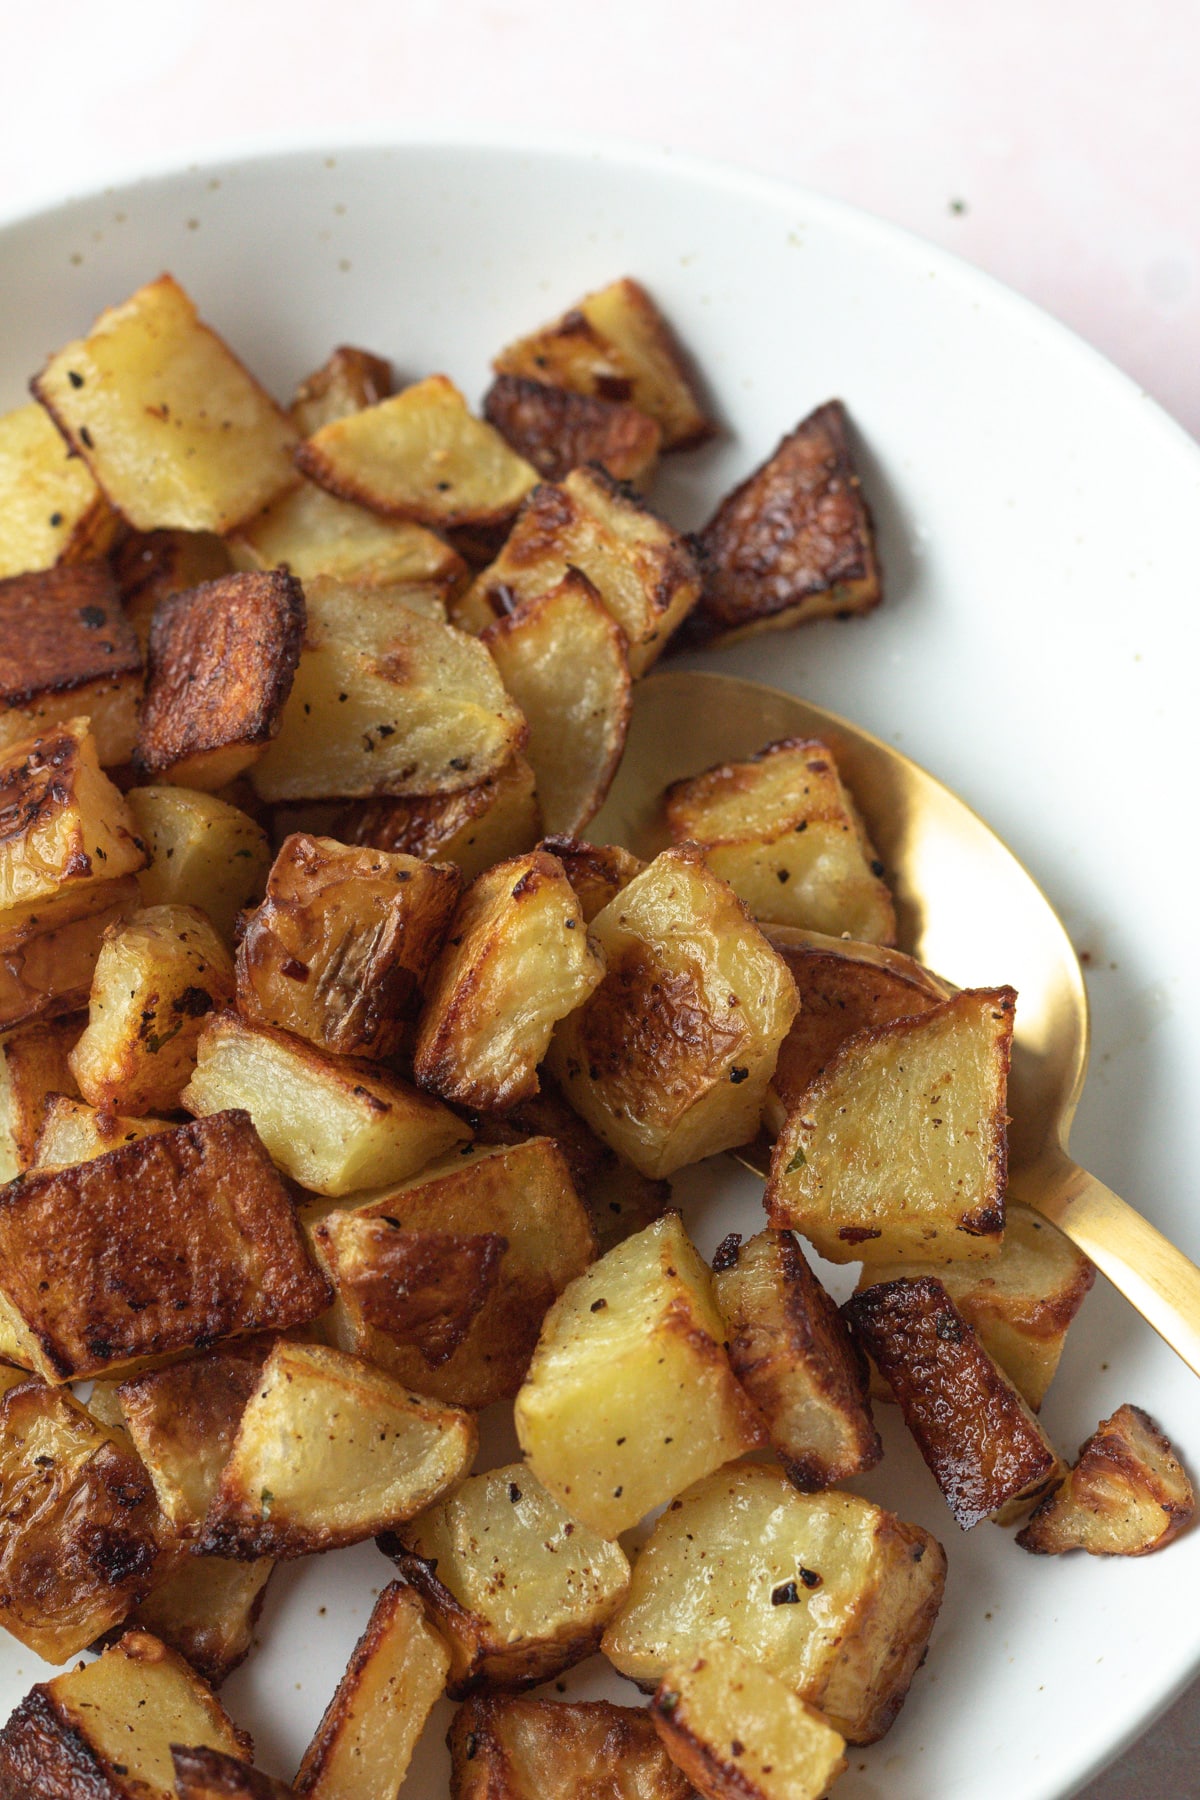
[1037,517]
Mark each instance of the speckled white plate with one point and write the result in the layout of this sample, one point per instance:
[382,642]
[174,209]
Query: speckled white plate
[1038,521]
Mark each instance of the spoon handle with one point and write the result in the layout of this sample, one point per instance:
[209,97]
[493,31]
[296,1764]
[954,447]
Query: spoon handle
[1159,1280]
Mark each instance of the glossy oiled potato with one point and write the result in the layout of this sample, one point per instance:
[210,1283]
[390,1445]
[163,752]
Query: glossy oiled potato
[515,1749]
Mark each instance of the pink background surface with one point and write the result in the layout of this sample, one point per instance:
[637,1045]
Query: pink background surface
[1056,145]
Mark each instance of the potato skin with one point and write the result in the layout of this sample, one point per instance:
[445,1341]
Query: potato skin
[347,380]
[517,1749]
[66,646]
[203,1774]
[558,430]
[46,968]
[1127,1495]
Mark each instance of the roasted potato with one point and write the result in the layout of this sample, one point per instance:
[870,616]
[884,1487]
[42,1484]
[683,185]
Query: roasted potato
[66,649]
[630,1395]
[183,1420]
[152,565]
[347,381]
[48,956]
[898,1150]
[475,828]
[207,1608]
[515,1749]
[66,826]
[558,430]
[829,1592]
[1127,1495]
[792,1354]
[203,852]
[202,1774]
[174,430]
[597,872]
[33,1067]
[71,1131]
[517,1588]
[51,511]
[311,533]
[330,1451]
[669,1059]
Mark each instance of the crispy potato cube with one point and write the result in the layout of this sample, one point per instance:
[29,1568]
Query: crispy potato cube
[1127,1495]
[174,429]
[557,430]
[597,872]
[795,541]
[157,978]
[616,345]
[518,959]
[782,830]
[739,1733]
[419,455]
[203,852]
[66,648]
[207,1609]
[670,1058]
[339,950]
[73,1132]
[331,1451]
[334,1124]
[202,1774]
[630,1395]
[387,702]
[512,1749]
[365,1741]
[562,658]
[83,1537]
[48,954]
[51,511]
[171,1243]
[33,1067]
[829,1592]
[897,1152]
[642,570]
[402,1312]
[151,566]
[517,1588]
[346,382]
[983,1445]
[311,533]
[475,828]
[222,661]
[183,1420]
[64,824]
[792,1354]
[1018,1303]
[105,1729]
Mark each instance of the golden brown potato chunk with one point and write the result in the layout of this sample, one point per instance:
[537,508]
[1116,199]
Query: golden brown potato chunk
[151,565]
[474,828]
[347,381]
[829,1592]
[983,1446]
[183,1420]
[63,825]
[222,660]
[314,534]
[51,511]
[518,1589]
[73,1132]
[33,1066]
[616,345]
[518,959]
[898,1151]
[207,1609]
[630,1395]
[171,1243]
[1127,1495]
[670,1058]
[48,956]
[597,872]
[423,1289]
[793,1355]
[174,429]
[66,648]
[339,950]
[83,1537]
[558,430]
[202,1774]
[512,1749]
[203,852]
[795,541]
[783,831]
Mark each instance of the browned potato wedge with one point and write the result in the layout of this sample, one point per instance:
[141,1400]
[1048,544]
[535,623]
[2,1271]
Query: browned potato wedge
[914,1165]
[670,1058]
[51,511]
[207,1609]
[402,1315]
[203,852]
[1127,1495]
[66,648]
[983,1445]
[335,1124]
[795,541]
[174,429]
[739,1733]
[48,954]
[331,1451]
[152,565]
[105,1729]
[793,1355]
[474,828]
[519,958]
[83,1537]
[157,978]
[171,1243]
[33,1067]
[339,950]
[222,661]
[783,831]
[616,345]
[365,1741]
[642,570]
[67,825]
[518,1589]
[558,430]
[202,1774]
[419,455]
[346,382]
[630,1395]
[829,1592]
[511,1749]
[1018,1303]
[597,872]
[562,658]
[314,534]
[183,1420]
[73,1132]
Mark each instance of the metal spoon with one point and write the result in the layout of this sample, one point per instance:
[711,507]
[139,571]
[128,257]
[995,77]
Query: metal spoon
[967,909]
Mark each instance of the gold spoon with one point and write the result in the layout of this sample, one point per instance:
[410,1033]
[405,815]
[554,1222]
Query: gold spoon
[969,911]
